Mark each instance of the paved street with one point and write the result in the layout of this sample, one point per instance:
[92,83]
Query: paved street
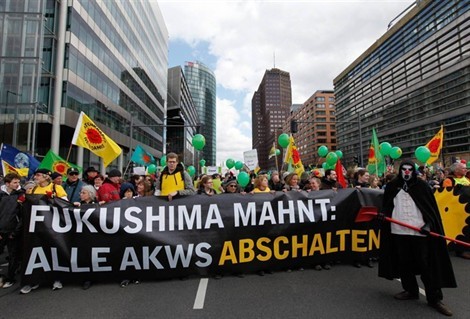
[343,292]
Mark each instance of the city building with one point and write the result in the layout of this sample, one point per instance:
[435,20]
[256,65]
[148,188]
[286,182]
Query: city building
[316,126]
[108,59]
[270,107]
[202,85]
[412,80]
[182,121]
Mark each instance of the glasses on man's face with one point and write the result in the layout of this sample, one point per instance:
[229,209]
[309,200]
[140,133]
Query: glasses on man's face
[73,174]
[232,185]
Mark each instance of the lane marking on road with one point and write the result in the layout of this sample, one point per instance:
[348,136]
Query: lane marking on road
[201,294]
[421,290]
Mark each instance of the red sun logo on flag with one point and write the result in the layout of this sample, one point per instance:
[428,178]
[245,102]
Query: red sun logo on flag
[60,167]
[146,158]
[371,152]
[434,145]
[295,156]
[94,136]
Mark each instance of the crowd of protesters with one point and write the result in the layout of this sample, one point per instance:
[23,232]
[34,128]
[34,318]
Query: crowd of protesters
[174,181]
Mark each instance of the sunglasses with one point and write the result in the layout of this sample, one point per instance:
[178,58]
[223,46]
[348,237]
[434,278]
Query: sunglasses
[232,186]
[73,173]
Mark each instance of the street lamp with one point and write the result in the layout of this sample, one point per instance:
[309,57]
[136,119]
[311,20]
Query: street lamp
[15,121]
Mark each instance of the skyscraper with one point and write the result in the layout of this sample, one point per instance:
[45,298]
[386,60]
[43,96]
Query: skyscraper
[270,107]
[106,58]
[411,81]
[202,84]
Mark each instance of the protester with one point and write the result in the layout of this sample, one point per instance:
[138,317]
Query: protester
[404,253]
[11,198]
[144,188]
[329,181]
[261,184]
[231,186]
[174,180]
[44,186]
[291,182]
[111,187]
[457,176]
[361,178]
[57,178]
[275,183]
[127,191]
[206,186]
[89,175]
[73,185]
[374,181]
[312,185]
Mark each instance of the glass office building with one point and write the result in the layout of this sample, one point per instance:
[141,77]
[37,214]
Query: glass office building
[106,58]
[412,80]
[202,85]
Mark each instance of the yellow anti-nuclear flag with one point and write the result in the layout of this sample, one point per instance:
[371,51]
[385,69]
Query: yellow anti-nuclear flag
[435,146]
[91,137]
[7,168]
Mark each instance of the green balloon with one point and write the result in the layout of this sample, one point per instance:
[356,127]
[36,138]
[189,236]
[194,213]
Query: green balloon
[396,152]
[163,160]
[278,152]
[283,140]
[331,158]
[339,154]
[151,169]
[202,162]
[229,163]
[238,165]
[385,148]
[199,141]
[324,165]
[422,153]
[322,151]
[191,170]
[243,179]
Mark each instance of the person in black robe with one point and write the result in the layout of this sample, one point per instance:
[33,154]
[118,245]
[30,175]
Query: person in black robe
[404,255]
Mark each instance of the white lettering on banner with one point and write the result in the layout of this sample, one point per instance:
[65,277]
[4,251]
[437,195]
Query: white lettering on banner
[84,220]
[116,220]
[96,259]
[56,220]
[37,218]
[203,255]
[44,264]
[151,257]
[129,259]
[133,219]
[213,217]
[246,216]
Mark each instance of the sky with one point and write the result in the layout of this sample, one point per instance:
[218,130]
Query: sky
[313,40]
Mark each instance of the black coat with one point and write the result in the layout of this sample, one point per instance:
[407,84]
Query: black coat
[10,211]
[440,262]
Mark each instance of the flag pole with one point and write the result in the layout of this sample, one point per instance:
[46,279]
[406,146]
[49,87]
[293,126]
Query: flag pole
[68,154]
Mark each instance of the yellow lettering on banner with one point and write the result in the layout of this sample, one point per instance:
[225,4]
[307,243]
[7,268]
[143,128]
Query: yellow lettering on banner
[374,239]
[277,250]
[342,238]
[246,250]
[227,254]
[355,240]
[302,245]
[260,245]
[330,249]
[317,245]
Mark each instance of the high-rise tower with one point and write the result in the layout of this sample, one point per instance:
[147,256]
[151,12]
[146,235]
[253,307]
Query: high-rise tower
[202,85]
[270,107]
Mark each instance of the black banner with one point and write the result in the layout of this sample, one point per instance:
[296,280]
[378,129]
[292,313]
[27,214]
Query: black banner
[151,238]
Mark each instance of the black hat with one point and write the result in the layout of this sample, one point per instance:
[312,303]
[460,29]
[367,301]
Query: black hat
[91,169]
[72,170]
[55,175]
[43,171]
[114,173]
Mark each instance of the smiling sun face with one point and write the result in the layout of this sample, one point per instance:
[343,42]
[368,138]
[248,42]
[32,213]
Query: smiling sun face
[454,207]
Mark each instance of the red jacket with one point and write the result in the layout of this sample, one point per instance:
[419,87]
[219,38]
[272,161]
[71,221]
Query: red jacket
[109,191]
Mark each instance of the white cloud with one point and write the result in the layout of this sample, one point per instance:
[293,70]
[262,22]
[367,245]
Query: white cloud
[312,40]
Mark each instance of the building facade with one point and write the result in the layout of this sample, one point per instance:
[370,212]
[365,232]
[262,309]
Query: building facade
[108,59]
[412,80]
[182,118]
[270,107]
[202,85]
[316,126]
